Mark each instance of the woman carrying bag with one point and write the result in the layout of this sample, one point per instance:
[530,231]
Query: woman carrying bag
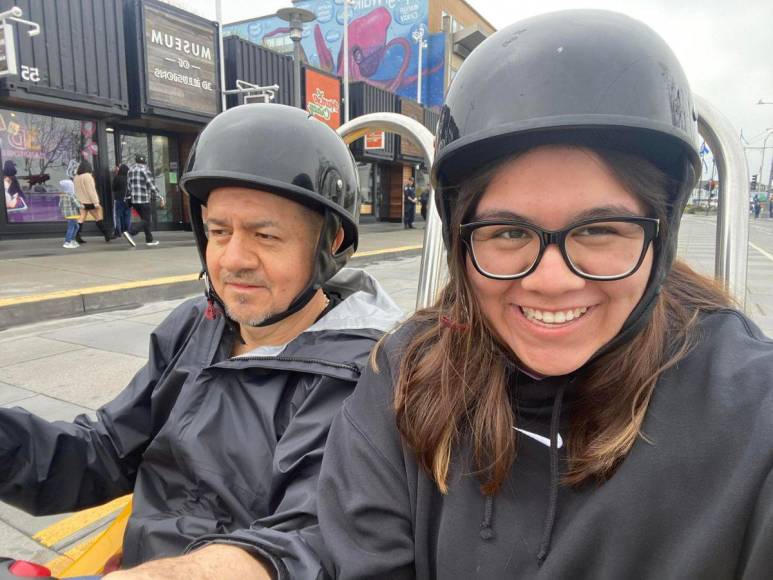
[86,192]
[578,403]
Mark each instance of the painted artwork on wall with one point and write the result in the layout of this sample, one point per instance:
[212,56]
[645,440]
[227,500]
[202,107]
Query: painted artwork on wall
[383,49]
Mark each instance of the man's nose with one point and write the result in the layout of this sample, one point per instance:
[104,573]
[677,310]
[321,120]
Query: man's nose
[238,254]
[552,275]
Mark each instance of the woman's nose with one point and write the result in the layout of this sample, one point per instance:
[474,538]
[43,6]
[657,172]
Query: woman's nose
[552,275]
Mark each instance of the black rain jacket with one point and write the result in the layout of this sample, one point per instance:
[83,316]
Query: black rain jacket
[208,444]
[694,500]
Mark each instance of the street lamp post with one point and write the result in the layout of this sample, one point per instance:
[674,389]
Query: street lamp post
[345,54]
[221,64]
[296,17]
[762,160]
[418,37]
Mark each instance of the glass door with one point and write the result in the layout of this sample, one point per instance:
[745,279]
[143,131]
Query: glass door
[164,167]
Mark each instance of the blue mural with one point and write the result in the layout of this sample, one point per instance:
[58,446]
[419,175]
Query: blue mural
[382,46]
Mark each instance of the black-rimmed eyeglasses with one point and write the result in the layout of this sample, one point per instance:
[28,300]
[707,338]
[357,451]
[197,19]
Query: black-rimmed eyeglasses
[608,248]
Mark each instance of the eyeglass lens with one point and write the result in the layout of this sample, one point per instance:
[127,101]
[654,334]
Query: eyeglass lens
[603,249]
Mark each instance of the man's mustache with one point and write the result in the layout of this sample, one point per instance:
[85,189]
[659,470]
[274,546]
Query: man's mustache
[245,277]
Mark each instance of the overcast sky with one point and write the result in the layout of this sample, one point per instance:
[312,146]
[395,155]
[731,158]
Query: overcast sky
[726,46]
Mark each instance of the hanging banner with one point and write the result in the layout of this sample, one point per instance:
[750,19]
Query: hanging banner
[323,97]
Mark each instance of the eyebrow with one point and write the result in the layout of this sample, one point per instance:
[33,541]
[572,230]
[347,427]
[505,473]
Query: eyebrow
[251,225]
[593,213]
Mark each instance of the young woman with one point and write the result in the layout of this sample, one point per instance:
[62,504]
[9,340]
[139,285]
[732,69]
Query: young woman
[86,192]
[123,210]
[577,404]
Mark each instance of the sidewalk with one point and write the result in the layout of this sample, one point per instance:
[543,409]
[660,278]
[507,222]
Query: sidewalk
[40,280]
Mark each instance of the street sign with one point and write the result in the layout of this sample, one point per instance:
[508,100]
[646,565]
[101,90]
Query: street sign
[7,51]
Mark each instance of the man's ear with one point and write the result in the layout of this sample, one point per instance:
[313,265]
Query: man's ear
[339,239]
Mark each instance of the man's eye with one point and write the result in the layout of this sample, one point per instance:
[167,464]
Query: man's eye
[216,232]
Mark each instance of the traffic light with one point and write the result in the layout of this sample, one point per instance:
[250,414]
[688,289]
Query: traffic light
[754,182]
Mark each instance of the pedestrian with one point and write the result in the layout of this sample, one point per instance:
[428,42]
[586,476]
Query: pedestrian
[14,196]
[424,200]
[70,208]
[220,436]
[121,201]
[577,403]
[770,205]
[409,204]
[86,192]
[142,192]
[757,206]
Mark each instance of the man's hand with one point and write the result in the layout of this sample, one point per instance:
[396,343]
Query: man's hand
[212,562]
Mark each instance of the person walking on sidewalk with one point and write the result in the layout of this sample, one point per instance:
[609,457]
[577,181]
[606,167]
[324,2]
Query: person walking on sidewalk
[70,208]
[142,191]
[86,192]
[409,195]
[122,207]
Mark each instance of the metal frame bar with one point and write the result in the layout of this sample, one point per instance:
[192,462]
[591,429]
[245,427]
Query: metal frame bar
[730,261]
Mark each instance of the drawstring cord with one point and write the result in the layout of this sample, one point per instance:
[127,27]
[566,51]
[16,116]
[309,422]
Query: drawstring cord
[486,531]
[550,519]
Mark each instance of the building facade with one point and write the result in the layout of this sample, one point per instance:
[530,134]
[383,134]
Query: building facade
[402,56]
[104,81]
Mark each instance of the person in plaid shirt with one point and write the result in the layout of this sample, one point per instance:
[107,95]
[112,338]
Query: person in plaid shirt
[140,193]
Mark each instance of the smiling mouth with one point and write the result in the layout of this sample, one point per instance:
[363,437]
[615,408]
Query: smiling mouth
[553,318]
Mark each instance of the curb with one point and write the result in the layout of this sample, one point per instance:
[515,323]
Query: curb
[69,304]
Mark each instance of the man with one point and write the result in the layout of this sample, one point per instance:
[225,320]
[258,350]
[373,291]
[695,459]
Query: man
[223,430]
[142,191]
[409,204]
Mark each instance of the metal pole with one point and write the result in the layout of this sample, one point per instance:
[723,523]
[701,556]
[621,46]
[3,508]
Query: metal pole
[345,54]
[770,181]
[733,198]
[297,72]
[432,257]
[762,159]
[419,68]
[219,17]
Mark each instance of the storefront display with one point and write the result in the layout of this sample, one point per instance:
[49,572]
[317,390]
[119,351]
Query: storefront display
[36,153]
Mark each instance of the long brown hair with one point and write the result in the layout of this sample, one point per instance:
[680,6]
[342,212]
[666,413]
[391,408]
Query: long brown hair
[452,382]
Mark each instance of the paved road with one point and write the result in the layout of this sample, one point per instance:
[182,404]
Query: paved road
[62,368]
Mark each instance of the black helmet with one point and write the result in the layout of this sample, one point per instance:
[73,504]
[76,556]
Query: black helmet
[285,151]
[140,158]
[587,77]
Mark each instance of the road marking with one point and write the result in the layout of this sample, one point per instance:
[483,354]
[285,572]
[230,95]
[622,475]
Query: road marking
[153,282]
[96,289]
[761,251]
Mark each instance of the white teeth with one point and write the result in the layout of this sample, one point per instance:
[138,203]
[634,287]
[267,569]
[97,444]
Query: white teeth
[549,317]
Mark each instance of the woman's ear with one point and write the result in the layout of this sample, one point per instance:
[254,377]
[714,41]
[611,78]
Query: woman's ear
[338,240]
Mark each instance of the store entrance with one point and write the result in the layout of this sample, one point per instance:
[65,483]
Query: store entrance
[161,152]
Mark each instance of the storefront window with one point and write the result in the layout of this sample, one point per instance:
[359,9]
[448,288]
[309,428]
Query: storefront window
[36,153]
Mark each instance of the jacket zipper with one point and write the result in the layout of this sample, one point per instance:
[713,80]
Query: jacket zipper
[301,360]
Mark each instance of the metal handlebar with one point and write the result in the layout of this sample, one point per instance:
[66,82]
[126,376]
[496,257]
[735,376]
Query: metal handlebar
[730,261]
[432,256]
[732,218]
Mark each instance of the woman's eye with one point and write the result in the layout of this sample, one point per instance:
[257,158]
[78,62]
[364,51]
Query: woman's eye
[512,234]
[595,231]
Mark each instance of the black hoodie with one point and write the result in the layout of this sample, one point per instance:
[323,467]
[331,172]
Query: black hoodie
[694,500]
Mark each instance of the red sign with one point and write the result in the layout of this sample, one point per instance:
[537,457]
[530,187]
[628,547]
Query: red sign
[375,140]
[323,97]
